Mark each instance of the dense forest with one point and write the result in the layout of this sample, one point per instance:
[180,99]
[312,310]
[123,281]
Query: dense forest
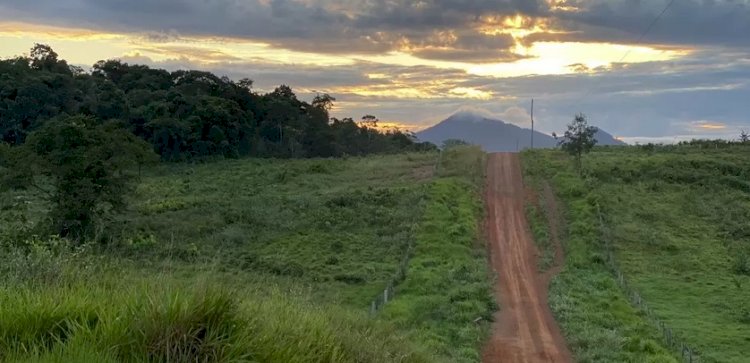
[185,114]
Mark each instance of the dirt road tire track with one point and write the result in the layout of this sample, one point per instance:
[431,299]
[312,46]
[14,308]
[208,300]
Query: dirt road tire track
[524,329]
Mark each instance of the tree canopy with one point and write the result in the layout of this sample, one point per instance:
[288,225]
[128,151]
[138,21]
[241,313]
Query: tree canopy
[579,138]
[184,114]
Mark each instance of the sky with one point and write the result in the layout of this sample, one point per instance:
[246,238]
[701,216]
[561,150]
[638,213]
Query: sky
[413,63]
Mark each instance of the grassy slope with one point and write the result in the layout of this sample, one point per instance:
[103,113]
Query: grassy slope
[679,221]
[318,232]
[598,322]
[678,218]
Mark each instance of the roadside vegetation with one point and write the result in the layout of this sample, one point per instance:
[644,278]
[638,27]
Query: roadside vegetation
[539,221]
[447,282]
[676,219]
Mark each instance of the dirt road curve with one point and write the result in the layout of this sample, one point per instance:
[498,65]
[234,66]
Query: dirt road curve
[524,329]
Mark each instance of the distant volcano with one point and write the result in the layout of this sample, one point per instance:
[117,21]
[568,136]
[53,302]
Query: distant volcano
[494,135]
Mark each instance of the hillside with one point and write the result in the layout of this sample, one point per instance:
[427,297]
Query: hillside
[657,251]
[494,135]
[278,260]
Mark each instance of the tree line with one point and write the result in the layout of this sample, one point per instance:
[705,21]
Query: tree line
[184,114]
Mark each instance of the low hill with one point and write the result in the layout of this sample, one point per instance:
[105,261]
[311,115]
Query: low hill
[494,135]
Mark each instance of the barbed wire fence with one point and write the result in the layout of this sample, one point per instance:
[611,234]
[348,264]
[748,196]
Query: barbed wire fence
[673,342]
[389,292]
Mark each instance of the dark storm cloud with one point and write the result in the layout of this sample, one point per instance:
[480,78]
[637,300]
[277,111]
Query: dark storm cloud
[376,26]
[406,14]
[686,22]
[228,18]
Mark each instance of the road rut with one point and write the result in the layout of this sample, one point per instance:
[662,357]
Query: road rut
[524,329]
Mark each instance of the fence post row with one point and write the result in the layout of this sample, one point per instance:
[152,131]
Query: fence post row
[686,352]
[390,289]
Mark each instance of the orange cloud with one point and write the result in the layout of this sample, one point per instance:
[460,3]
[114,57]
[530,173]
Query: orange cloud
[709,125]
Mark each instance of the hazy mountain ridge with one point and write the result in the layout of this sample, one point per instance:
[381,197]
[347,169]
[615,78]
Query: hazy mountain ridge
[494,135]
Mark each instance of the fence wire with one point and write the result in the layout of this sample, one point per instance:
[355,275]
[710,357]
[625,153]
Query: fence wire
[389,292]
[688,353]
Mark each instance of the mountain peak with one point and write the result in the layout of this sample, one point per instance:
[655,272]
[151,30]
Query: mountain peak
[472,115]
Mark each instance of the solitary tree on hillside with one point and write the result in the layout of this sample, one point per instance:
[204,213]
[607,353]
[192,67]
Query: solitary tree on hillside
[579,138]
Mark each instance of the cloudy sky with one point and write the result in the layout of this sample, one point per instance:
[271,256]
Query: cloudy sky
[413,63]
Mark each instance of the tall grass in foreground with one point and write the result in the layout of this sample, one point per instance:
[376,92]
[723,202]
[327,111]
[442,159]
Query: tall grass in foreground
[169,321]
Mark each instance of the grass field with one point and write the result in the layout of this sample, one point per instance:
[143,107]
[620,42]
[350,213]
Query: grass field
[217,261]
[678,222]
[338,226]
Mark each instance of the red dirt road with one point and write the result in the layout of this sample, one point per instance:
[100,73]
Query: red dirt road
[524,329]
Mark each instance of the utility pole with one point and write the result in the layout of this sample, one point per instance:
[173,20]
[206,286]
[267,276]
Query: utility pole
[532,123]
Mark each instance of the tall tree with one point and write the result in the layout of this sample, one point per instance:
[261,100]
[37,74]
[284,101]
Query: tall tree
[44,58]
